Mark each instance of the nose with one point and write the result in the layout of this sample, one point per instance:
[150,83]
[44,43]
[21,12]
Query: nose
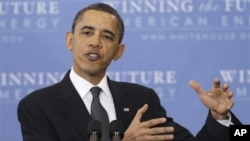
[95,41]
[94,44]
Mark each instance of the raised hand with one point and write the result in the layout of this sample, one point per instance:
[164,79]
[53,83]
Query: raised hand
[218,99]
[145,131]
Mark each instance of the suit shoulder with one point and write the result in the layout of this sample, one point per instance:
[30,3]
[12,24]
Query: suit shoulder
[40,93]
[130,84]
[133,87]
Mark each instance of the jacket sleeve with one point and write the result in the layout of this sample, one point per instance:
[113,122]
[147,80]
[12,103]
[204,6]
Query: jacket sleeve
[180,132]
[30,119]
[212,130]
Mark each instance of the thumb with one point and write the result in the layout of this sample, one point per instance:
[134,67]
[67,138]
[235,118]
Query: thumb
[195,85]
[141,111]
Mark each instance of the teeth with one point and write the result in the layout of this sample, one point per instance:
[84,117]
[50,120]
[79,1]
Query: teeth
[93,55]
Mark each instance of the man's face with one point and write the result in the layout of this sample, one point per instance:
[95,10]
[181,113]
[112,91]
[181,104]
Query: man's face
[94,44]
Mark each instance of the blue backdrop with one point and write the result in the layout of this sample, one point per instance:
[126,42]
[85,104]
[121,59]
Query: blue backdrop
[168,43]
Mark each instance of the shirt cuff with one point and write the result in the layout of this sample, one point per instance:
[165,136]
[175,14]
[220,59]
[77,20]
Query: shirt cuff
[226,122]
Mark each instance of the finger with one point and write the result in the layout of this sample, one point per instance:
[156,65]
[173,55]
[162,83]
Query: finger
[230,94]
[216,83]
[225,87]
[153,122]
[196,87]
[165,137]
[141,111]
[162,130]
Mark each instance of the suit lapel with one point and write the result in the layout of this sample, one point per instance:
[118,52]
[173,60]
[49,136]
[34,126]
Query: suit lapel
[122,106]
[72,106]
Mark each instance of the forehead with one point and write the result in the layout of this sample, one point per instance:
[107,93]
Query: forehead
[98,19]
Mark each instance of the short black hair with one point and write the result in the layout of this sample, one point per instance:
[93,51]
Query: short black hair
[104,8]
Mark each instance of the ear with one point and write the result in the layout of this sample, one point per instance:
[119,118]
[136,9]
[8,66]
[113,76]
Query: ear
[69,38]
[119,52]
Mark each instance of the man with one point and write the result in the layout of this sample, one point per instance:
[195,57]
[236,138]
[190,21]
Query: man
[61,112]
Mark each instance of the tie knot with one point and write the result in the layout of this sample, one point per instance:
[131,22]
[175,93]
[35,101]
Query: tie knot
[95,91]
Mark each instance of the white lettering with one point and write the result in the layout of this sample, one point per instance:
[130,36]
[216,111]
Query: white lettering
[241,92]
[28,8]
[28,23]
[242,76]
[209,6]
[145,77]
[172,92]
[30,79]
[4,95]
[238,5]
[152,6]
[240,132]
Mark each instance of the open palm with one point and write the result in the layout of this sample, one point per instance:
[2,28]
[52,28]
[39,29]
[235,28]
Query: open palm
[218,99]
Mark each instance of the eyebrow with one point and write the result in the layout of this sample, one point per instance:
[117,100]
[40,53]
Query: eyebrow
[92,28]
[87,27]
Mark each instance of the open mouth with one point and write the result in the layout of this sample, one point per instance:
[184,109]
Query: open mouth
[93,56]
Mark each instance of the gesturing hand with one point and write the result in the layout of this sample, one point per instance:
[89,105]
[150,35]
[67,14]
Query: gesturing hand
[144,131]
[218,99]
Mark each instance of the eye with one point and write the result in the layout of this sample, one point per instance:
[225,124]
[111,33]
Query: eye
[108,37]
[86,32]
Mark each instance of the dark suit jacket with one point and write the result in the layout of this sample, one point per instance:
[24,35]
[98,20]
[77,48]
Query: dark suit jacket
[57,113]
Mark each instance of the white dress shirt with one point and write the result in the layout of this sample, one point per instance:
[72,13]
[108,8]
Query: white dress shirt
[83,87]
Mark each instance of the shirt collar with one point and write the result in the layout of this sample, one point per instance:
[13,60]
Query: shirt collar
[83,86]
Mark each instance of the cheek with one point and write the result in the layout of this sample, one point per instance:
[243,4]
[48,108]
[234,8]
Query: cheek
[77,46]
[112,55]
[76,50]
